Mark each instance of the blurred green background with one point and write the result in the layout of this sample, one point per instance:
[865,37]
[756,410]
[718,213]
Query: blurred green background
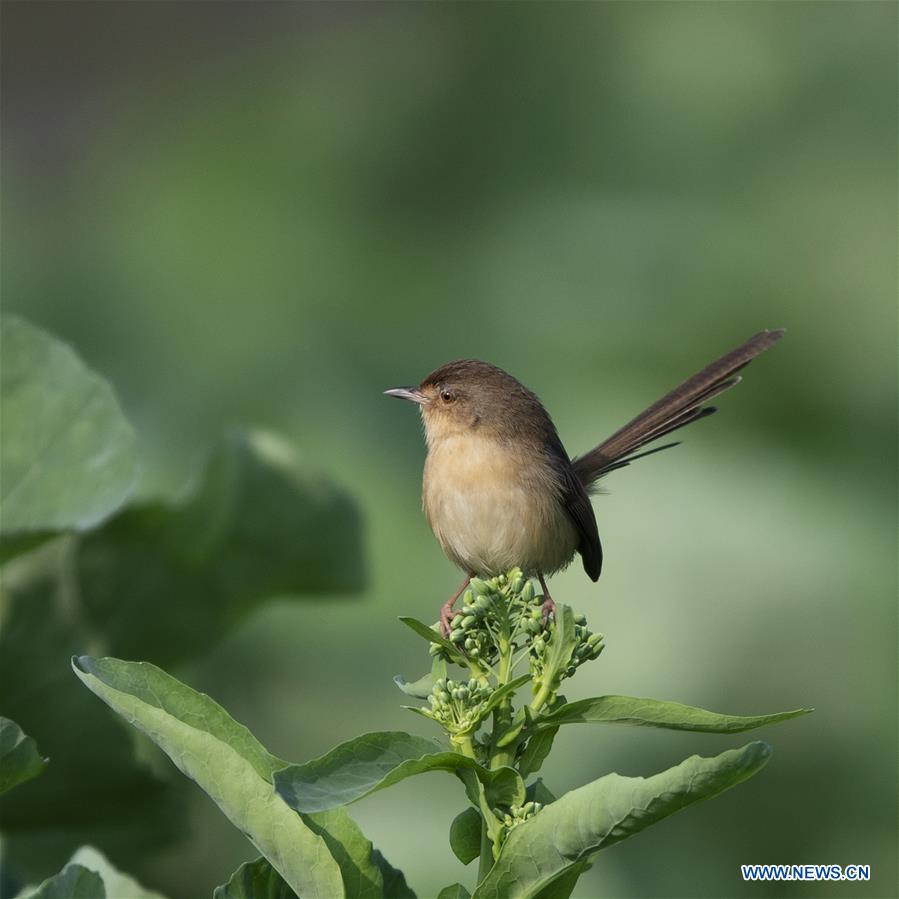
[268,213]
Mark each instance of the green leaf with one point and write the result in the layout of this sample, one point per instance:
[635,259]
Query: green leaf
[562,887]
[539,744]
[224,758]
[96,759]
[419,689]
[255,880]
[365,872]
[567,832]
[19,758]
[433,636]
[395,886]
[375,761]
[116,884]
[258,526]
[536,751]
[560,647]
[656,713]
[539,792]
[73,882]
[362,878]
[465,835]
[505,690]
[67,453]
[454,891]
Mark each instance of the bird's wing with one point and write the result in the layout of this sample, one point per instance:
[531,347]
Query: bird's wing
[580,511]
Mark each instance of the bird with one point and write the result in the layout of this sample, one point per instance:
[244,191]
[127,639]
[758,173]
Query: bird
[500,491]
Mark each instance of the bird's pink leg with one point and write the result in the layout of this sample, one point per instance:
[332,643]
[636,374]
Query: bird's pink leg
[549,607]
[446,610]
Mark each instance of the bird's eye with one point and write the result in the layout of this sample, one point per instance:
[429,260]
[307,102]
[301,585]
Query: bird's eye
[447,395]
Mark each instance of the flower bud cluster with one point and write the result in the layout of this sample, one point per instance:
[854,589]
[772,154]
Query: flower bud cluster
[506,604]
[587,645]
[518,814]
[458,706]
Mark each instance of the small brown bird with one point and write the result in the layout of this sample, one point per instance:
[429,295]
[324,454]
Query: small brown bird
[500,490]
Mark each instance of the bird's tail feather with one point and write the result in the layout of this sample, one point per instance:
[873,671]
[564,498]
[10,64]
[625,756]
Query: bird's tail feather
[680,407]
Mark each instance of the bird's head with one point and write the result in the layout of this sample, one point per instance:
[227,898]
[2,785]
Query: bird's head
[468,395]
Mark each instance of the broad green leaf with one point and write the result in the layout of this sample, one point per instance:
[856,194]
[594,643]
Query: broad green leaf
[656,713]
[362,878]
[364,870]
[116,884]
[259,525]
[567,832]
[95,758]
[395,886]
[375,761]
[465,835]
[67,453]
[73,882]
[454,891]
[224,758]
[255,880]
[19,758]
[562,887]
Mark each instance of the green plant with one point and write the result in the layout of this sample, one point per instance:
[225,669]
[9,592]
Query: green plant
[528,842]
[493,688]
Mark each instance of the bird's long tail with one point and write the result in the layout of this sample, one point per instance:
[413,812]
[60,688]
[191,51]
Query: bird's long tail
[681,406]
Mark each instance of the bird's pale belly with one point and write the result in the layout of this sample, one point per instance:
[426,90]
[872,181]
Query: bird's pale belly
[488,516]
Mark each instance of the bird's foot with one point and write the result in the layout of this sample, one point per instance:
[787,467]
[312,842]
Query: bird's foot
[446,610]
[446,617]
[549,607]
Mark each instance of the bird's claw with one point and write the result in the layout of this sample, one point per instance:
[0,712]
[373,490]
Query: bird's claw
[548,608]
[446,618]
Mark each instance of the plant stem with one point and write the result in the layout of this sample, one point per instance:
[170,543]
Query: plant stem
[485,862]
[540,699]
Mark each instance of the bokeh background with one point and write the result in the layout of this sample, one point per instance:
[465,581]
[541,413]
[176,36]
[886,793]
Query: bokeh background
[268,213]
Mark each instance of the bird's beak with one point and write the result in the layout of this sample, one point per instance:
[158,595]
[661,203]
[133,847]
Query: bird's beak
[407,393]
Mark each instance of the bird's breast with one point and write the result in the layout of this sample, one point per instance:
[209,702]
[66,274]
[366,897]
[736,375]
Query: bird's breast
[493,505]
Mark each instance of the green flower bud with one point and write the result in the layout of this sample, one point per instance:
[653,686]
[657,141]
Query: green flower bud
[456,635]
[468,621]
